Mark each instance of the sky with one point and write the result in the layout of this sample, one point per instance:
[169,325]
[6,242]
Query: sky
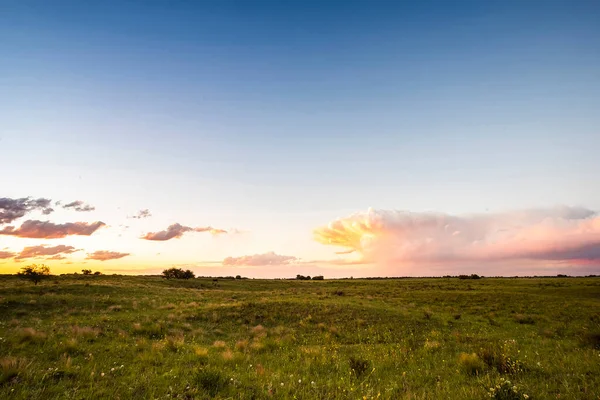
[275,138]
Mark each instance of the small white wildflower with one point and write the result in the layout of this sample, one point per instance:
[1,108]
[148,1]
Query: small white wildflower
[281,383]
[299,380]
[525,396]
[102,374]
[112,369]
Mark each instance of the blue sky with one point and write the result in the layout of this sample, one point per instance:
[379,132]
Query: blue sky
[279,116]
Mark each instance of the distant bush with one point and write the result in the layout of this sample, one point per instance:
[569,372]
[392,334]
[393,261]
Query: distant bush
[86,271]
[472,276]
[211,381]
[35,273]
[359,366]
[177,273]
[303,278]
[318,278]
[471,363]
[238,277]
[97,273]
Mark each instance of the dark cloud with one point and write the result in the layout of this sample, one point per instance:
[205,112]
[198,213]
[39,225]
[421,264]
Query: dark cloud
[12,209]
[48,230]
[142,214]
[43,250]
[265,259]
[177,230]
[104,255]
[6,254]
[79,205]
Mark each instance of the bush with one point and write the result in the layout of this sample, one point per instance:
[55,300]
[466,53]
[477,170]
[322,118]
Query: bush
[86,271]
[211,381]
[471,363]
[303,278]
[359,366]
[318,278]
[177,273]
[506,390]
[34,273]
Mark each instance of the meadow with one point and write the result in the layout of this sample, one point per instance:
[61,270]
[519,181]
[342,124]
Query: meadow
[119,337]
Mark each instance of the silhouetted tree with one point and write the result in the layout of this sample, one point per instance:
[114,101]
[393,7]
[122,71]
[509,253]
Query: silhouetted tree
[34,272]
[317,278]
[177,273]
[86,271]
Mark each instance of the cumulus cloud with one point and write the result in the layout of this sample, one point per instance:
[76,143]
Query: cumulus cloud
[265,259]
[79,205]
[43,250]
[48,230]
[177,230]
[12,209]
[6,254]
[142,214]
[561,233]
[104,255]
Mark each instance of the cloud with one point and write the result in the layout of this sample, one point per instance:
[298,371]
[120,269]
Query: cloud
[12,209]
[6,254]
[48,230]
[142,214]
[104,255]
[561,233]
[79,205]
[177,230]
[43,250]
[265,259]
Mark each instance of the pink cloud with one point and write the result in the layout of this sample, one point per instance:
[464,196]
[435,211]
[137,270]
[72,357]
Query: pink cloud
[175,231]
[104,255]
[381,236]
[265,259]
[48,230]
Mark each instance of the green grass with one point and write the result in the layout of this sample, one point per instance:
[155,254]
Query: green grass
[115,337]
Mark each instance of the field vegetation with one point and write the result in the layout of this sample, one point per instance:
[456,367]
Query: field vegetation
[118,337]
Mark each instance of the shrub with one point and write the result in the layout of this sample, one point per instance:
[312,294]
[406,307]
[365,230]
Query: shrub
[97,273]
[210,381]
[177,273]
[471,363]
[524,319]
[318,278]
[359,366]
[506,390]
[86,271]
[35,273]
[498,357]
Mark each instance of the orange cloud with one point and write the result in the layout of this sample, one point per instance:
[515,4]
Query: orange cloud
[6,254]
[104,255]
[563,233]
[43,250]
[265,259]
[48,230]
[177,230]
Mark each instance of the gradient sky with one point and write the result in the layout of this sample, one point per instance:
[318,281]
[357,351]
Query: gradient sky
[270,119]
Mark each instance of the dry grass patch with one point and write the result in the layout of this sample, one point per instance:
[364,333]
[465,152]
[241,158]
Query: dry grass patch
[201,352]
[11,368]
[30,335]
[227,355]
[115,308]
[86,332]
[219,344]
[259,331]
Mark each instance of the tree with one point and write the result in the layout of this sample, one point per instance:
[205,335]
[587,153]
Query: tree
[177,273]
[97,273]
[34,272]
[86,271]
[318,278]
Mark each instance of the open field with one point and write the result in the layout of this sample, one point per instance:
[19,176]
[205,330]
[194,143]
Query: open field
[115,337]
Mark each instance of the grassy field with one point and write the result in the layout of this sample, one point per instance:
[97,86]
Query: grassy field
[116,337]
